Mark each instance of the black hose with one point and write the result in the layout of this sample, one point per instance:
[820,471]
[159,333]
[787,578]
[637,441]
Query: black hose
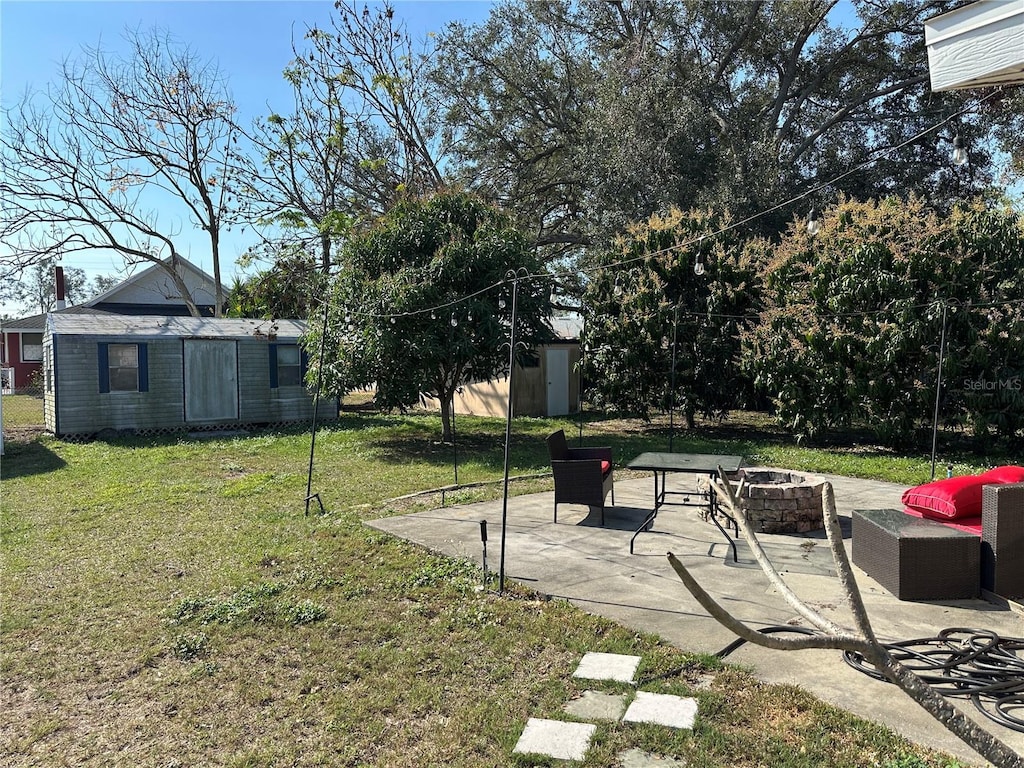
[971,663]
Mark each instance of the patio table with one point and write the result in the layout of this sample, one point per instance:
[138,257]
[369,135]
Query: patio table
[691,463]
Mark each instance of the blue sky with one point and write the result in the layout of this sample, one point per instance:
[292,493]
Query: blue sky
[250,40]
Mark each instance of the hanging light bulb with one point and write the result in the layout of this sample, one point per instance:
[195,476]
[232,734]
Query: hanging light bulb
[617,289]
[501,302]
[392,320]
[698,263]
[455,321]
[813,225]
[959,153]
[433,315]
[469,317]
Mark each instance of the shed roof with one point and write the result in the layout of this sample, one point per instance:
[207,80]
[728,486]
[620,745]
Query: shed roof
[157,326]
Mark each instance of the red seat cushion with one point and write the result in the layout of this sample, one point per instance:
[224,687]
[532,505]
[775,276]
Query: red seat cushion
[1009,474]
[958,497]
[965,524]
[606,467]
[949,499]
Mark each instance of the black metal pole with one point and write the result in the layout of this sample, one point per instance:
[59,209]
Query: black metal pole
[938,388]
[508,432]
[579,387]
[672,383]
[316,406]
[455,443]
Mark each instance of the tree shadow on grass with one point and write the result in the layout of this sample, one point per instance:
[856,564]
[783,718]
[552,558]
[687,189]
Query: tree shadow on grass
[26,459]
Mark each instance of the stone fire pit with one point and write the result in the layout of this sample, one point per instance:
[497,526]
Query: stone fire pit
[781,501]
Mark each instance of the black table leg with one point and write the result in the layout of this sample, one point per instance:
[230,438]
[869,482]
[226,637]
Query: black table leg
[715,511]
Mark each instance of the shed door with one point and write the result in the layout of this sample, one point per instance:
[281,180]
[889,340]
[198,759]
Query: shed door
[211,380]
[557,364]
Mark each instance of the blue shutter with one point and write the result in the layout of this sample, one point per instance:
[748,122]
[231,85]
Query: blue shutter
[104,367]
[143,368]
[272,348]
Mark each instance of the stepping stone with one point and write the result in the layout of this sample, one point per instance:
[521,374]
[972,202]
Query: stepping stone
[594,705]
[607,666]
[553,738]
[637,758]
[662,709]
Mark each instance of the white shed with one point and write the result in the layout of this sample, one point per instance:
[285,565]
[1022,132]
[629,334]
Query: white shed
[978,45]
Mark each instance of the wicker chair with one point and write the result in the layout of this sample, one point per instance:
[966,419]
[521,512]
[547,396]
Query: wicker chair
[580,477]
[1002,540]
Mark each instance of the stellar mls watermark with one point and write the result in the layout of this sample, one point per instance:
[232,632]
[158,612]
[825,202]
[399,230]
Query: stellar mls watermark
[1011,383]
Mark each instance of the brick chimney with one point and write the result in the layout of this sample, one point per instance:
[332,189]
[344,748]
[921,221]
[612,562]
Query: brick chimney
[58,276]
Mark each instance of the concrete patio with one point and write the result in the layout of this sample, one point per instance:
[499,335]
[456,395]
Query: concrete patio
[589,565]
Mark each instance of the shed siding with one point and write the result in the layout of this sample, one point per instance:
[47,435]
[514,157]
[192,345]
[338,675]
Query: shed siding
[49,392]
[259,402]
[83,408]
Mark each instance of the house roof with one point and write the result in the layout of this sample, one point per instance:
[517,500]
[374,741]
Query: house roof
[38,322]
[159,326]
[121,293]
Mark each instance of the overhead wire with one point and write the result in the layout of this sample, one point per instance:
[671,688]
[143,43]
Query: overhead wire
[627,262]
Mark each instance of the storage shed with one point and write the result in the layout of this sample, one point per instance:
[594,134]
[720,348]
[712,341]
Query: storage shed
[548,385]
[157,373]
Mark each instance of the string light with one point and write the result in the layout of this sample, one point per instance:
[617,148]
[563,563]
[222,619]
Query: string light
[959,153]
[698,264]
[813,225]
[454,321]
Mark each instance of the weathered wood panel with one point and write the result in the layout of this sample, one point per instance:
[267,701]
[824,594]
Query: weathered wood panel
[211,380]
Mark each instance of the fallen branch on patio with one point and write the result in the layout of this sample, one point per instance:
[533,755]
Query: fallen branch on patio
[861,641]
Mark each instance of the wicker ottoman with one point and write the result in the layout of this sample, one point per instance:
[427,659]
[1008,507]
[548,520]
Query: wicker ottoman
[1002,539]
[916,559]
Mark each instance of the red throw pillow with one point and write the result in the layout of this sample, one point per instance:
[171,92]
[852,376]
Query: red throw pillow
[1004,475]
[949,499]
[606,467]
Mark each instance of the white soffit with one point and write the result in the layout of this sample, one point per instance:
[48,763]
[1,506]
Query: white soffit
[978,45]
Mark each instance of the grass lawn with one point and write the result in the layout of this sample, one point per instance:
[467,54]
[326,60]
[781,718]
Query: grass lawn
[165,602]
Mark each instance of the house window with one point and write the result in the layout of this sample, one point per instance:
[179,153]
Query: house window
[31,347]
[287,367]
[123,368]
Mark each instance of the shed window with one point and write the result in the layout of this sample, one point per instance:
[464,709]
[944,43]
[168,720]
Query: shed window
[289,365]
[123,368]
[31,347]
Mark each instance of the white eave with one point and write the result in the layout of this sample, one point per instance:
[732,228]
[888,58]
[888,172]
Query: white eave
[978,45]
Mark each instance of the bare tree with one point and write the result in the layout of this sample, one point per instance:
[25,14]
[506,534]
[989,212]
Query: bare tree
[115,156]
[302,175]
[861,640]
[36,290]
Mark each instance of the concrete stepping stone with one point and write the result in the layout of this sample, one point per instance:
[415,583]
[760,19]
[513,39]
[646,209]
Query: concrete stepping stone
[553,738]
[637,758]
[662,709]
[607,666]
[594,705]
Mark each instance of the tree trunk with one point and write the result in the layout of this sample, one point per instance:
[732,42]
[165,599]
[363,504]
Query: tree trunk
[447,400]
[179,283]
